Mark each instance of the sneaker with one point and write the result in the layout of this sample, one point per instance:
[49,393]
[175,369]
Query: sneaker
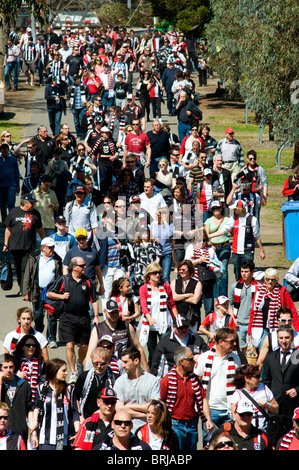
[52,345]
[73,377]
[32,84]
[79,367]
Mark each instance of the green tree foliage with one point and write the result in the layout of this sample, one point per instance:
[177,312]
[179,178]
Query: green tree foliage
[185,15]
[255,50]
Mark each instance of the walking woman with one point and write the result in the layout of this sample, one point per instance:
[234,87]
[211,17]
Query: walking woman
[56,413]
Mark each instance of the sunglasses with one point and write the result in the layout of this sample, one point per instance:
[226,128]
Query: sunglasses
[109,402]
[3,417]
[109,346]
[189,359]
[30,345]
[95,364]
[119,422]
[222,444]
[81,265]
[246,414]
[285,320]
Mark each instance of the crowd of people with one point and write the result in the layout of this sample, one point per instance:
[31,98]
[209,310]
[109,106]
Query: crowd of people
[121,246]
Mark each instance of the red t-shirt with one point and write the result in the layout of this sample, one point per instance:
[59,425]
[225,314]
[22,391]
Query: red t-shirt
[91,86]
[137,143]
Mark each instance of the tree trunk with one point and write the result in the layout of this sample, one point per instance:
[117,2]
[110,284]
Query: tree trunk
[4,32]
[296,155]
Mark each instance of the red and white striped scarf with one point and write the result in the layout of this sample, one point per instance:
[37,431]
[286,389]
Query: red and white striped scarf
[173,388]
[274,304]
[32,373]
[198,253]
[287,440]
[141,65]
[231,368]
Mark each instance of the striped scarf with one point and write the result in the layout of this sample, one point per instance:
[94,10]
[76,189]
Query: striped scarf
[287,440]
[230,388]
[122,122]
[141,65]
[198,253]
[163,305]
[32,373]
[274,304]
[238,291]
[114,366]
[96,145]
[173,388]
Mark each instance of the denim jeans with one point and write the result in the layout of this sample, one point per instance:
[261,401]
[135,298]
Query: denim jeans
[242,334]
[39,313]
[11,68]
[166,261]
[223,254]
[55,120]
[78,115]
[219,417]
[183,130]
[187,432]
[7,200]
[106,101]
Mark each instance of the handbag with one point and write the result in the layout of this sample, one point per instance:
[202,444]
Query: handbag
[275,425]
[205,275]
[6,276]
[191,316]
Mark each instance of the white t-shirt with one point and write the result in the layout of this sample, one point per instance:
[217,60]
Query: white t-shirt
[152,204]
[14,337]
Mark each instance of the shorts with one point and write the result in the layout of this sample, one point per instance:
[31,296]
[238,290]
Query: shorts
[29,66]
[74,328]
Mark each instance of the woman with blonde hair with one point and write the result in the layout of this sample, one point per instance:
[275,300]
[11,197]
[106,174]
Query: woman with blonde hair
[157,306]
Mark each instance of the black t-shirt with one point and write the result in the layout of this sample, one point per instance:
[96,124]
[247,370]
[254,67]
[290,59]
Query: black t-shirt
[81,293]
[159,143]
[24,225]
[75,63]
[107,148]
[120,90]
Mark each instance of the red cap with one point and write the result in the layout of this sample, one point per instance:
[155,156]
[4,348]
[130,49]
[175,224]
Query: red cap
[229,130]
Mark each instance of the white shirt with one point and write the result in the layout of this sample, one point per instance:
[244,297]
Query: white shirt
[152,204]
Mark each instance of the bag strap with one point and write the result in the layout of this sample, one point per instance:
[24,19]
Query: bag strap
[259,407]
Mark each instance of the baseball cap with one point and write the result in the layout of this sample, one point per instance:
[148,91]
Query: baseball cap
[207,171]
[134,199]
[98,119]
[258,275]
[130,96]
[47,241]
[29,197]
[244,406]
[60,218]
[104,129]
[216,204]
[80,232]
[222,299]
[229,130]
[179,321]
[296,414]
[239,204]
[107,392]
[106,338]
[79,189]
[111,305]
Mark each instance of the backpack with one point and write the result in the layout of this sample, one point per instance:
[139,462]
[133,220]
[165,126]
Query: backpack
[6,277]
[55,307]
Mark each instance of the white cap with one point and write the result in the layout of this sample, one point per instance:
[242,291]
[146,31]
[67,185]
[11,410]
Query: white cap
[244,406]
[239,204]
[258,275]
[48,241]
[207,171]
[104,129]
[222,299]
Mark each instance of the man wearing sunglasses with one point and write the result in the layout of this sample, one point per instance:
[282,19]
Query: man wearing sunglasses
[121,437]
[245,435]
[231,151]
[95,428]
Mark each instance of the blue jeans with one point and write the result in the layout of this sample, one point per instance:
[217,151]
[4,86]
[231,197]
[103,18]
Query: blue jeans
[55,120]
[219,417]
[187,432]
[166,261]
[242,334]
[106,101]
[7,200]
[223,254]
[38,311]
[238,260]
[183,130]
[11,68]
[78,115]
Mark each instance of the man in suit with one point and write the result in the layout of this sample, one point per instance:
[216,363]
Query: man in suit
[281,374]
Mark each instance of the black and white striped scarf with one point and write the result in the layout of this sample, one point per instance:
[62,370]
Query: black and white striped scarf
[163,305]
[231,368]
